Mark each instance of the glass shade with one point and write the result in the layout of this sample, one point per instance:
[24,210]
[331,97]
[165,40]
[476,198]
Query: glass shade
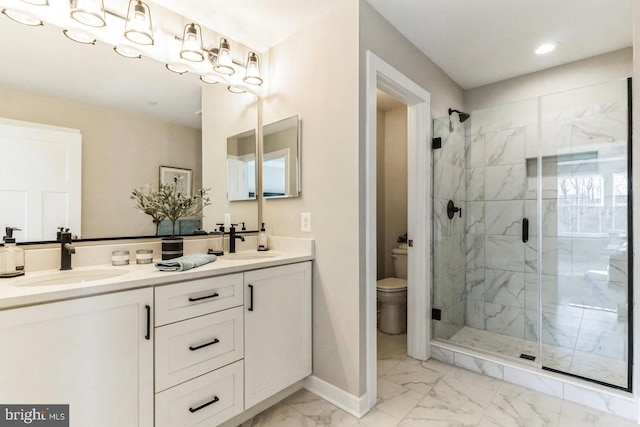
[88,12]
[138,28]
[37,2]
[79,36]
[177,68]
[252,75]
[236,89]
[22,17]
[210,78]
[192,43]
[224,63]
[128,52]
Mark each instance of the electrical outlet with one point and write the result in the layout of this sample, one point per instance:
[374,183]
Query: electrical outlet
[305,222]
[227,220]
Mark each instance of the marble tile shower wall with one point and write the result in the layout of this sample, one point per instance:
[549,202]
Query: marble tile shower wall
[501,293]
[501,287]
[449,239]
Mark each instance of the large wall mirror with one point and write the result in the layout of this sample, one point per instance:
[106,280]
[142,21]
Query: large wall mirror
[133,116]
[281,158]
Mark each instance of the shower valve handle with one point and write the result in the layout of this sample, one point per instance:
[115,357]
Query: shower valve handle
[452,209]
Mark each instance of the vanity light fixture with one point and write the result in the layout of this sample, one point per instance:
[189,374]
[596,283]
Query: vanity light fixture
[37,2]
[79,36]
[138,28]
[236,89]
[223,60]
[22,17]
[89,12]
[127,51]
[545,48]
[177,68]
[192,43]
[252,75]
[210,78]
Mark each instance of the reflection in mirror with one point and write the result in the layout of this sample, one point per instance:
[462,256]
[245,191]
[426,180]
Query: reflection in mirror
[281,159]
[241,166]
[132,115]
[224,114]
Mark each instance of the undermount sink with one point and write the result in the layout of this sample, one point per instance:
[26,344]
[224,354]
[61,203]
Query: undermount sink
[70,277]
[242,256]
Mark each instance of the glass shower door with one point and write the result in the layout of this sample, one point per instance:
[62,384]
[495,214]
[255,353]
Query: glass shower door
[585,246]
[488,298]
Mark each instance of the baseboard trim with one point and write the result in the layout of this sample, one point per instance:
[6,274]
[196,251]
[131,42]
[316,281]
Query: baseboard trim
[356,406]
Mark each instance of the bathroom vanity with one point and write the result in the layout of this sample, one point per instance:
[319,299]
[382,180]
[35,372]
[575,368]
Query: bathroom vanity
[150,348]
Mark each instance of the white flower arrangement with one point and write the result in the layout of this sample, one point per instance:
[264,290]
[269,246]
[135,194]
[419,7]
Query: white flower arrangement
[169,203]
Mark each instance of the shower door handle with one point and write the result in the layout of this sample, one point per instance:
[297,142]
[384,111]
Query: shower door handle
[525,230]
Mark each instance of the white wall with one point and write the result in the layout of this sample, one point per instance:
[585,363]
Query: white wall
[598,69]
[396,181]
[379,36]
[314,74]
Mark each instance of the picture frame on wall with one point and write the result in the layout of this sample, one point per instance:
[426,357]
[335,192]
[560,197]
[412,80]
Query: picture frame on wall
[182,178]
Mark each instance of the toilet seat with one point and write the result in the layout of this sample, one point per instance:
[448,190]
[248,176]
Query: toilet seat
[391,284]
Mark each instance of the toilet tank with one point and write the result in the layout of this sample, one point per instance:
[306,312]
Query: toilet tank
[399,262]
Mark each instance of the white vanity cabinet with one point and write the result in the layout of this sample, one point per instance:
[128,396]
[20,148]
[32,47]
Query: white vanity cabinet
[93,353]
[277,329]
[198,351]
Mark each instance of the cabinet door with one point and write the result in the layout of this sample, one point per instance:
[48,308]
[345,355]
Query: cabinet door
[277,329]
[91,353]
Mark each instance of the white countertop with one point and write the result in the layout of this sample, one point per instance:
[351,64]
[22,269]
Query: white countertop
[12,294]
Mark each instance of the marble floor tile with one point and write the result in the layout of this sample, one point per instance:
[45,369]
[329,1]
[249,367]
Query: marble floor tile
[412,393]
[395,399]
[573,415]
[417,376]
[280,415]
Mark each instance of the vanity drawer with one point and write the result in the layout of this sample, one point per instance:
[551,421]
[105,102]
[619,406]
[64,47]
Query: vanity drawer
[185,300]
[196,346]
[184,405]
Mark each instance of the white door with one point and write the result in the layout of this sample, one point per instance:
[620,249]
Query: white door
[40,179]
[91,353]
[277,329]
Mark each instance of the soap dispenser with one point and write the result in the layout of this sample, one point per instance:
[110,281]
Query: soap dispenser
[216,243]
[11,256]
[262,239]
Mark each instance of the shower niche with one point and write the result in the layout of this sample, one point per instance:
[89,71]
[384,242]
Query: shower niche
[536,267]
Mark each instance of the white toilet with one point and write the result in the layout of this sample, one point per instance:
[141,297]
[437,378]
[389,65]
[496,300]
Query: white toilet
[392,294]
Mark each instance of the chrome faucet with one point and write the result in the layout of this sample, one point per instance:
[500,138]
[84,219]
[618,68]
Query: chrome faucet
[232,238]
[66,250]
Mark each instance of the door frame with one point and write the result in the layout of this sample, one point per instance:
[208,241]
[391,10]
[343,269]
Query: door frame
[381,75]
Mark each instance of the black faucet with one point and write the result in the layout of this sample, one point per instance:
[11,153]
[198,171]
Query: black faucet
[232,238]
[66,250]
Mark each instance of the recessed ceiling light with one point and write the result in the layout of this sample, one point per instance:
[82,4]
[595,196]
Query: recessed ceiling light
[545,48]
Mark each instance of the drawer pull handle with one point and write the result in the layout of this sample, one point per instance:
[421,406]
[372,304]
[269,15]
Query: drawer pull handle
[215,399]
[208,296]
[215,341]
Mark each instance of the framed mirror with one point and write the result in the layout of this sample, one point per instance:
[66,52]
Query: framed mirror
[281,159]
[241,166]
[133,116]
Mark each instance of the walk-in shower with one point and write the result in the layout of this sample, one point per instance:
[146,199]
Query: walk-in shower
[536,268]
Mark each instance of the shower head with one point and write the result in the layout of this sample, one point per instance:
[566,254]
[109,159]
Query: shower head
[461,115]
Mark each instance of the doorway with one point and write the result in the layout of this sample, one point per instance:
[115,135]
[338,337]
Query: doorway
[381,75]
